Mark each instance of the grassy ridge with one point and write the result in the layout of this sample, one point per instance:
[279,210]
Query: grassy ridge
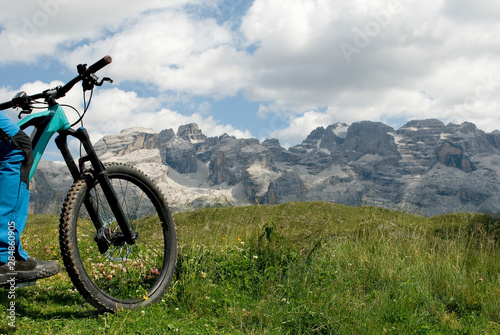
[294,269]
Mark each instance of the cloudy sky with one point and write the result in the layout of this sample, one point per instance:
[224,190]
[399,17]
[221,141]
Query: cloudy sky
[261,68]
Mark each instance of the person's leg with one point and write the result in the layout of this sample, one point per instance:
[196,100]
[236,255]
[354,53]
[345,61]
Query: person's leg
[14,201]
[16,159]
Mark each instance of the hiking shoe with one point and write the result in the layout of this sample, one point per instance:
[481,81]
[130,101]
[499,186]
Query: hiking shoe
[27,270]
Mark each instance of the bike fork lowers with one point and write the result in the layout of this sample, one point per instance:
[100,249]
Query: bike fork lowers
[102,237]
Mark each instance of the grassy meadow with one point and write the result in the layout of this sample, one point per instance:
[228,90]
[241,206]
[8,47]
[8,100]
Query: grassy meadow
[297,268]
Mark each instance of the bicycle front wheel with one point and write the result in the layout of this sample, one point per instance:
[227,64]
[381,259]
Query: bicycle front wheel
[126,276]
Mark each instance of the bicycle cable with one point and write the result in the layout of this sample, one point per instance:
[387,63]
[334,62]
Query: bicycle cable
[73,108]
[42,103]
[85,108]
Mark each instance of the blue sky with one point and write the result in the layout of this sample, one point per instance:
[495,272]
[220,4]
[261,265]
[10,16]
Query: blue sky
[261,68]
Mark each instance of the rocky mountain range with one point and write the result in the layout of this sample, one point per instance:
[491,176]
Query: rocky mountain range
[425,166]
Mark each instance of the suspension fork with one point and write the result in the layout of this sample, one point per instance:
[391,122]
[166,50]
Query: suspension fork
[129,236]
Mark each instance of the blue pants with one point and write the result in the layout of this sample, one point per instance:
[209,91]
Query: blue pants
[15,162]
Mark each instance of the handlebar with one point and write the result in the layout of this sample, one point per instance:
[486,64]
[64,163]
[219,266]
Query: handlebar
[99,64]
[6,105]
[85,74]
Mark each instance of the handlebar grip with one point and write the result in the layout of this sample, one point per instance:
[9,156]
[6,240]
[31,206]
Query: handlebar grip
[6,105]
[99,64]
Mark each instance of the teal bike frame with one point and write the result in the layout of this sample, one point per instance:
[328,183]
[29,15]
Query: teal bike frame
[54,120]
[46,124]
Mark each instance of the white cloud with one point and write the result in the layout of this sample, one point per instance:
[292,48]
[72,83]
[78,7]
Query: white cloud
[172,50]
[472,11]
[35,28]
[312,62]
[415,64]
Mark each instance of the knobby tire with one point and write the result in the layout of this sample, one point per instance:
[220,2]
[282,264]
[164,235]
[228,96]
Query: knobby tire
[126,276]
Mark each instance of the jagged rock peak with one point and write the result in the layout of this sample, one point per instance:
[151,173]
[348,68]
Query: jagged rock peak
[422,124]
[190,132]
[271,142]
[494,138]
[368,137]
[137,130]
[128,140]
[338,129]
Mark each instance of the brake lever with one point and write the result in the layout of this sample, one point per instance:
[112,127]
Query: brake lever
[109,80]
[92,80]
[24,112]
[21,100]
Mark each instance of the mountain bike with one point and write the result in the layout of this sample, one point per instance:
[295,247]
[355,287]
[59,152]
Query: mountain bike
[116,232]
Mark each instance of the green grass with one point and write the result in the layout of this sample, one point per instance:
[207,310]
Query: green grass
[297,268]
